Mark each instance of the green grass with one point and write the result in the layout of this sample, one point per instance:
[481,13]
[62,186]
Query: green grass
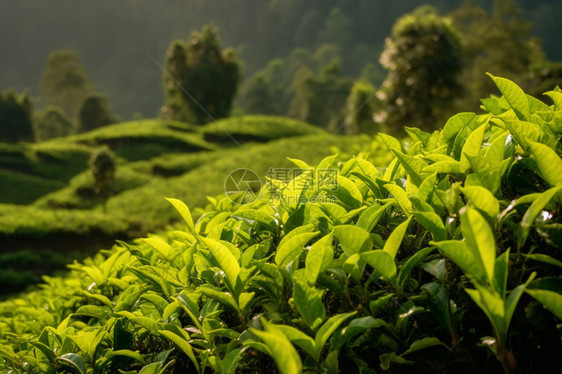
[257,128]
[35,222]
[208,180]
[141,140]
[80,194]
[19,188]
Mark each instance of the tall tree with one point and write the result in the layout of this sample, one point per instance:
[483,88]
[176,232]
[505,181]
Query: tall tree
[52,123]
[359,109]
[200,79]
[423,60]
[64,82]
[15,117]
[499,42]
[103,165]
[320,99]
[96,112]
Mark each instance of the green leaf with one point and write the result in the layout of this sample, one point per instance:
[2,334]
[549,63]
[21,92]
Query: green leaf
[148,323]
[500,273]
[227,262]
[371,216]
[472,145]
[257,216]
[184,211]
[182,341]
[347,192]
[382,263]
[524,132]
[300,163]
[483,200]
[282,351]
[479,239]
[288,250]
[533,212]
[308,300]
[412,262]
[45,349]
[135,355]
[353,239]
[550,299]
[319,257]
[230,361]
[549,163]
[160,246]
[514,96]
[454,125]
[436,299]
[492,304]
[401,198]
[422,344]
[556,98]
[74,361]
[544,258]
[432,223]
[190,307]
[391,142]
[244,299]
[445,167]
[513,299]
[224,298]
[327,329]
[393,242]
[458,252]
[296,336]
[414,166]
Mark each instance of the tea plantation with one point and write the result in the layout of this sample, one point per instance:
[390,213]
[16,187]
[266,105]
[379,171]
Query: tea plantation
[441,254]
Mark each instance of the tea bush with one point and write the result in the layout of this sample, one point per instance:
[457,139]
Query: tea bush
[448,259]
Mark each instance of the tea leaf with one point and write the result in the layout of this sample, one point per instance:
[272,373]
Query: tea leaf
[479,240]
[282,351]
[319,257]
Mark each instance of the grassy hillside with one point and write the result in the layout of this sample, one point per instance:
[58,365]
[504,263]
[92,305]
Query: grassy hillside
[155,159]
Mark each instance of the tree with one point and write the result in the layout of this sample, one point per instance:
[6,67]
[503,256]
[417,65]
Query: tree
[261,96]
[200,79]
[422,57]
[96,112]
[319,99]
[499,43]
[359,109]
[52,124]
[64,82]
[15,117]
[102,165]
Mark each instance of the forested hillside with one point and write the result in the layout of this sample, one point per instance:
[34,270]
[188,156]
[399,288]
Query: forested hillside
[116,38]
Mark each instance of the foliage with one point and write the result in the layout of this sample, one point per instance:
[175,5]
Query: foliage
[423,60]
[64,83]
[396,268]
[257,128]
[200,80]
[15,117]
[21,188]
[318,99]
[359,109]
[96,112]
[500,41]
[102,166]
[52,124]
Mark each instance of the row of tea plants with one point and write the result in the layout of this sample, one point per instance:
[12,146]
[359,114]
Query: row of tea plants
[446,259]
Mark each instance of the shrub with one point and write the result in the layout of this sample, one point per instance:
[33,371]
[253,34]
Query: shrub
[439,262]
